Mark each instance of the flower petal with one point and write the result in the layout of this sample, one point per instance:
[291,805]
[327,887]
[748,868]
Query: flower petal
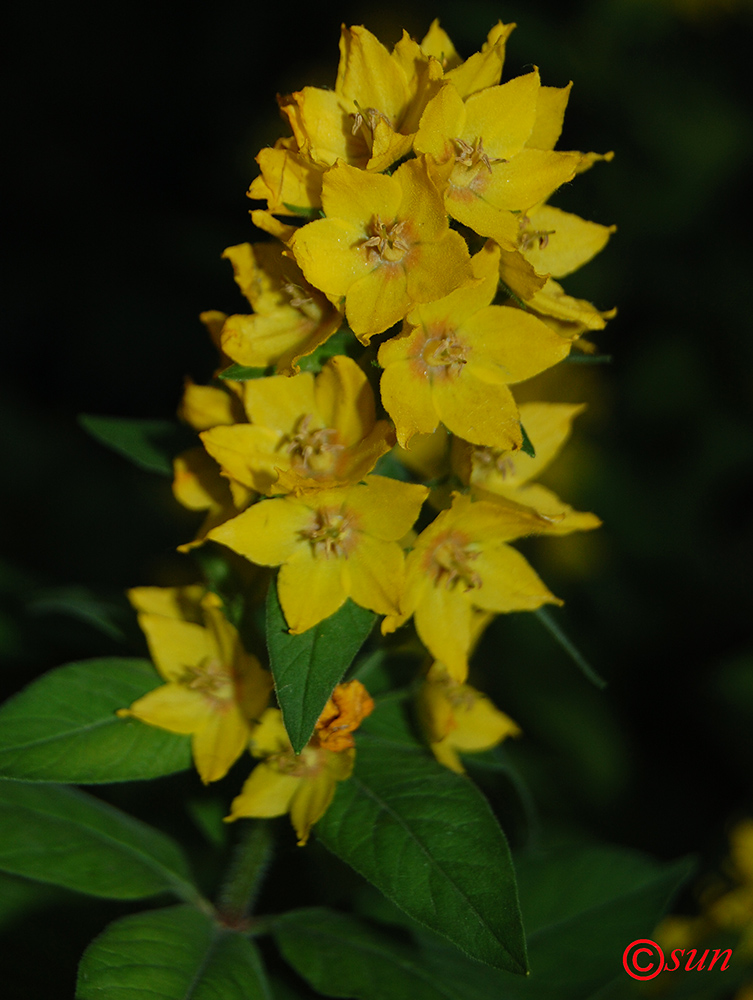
[219,743]
[266,793]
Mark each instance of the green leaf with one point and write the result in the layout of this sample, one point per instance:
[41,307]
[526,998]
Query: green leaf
[581,907]
[427,839]
[81,603]
[569,647]
[150,444]
[305,211]
[527,447]
[342,342]
[173,954]
[68,838]
[578,358]
[63,727]
[344,957]
[242,373]
[307,667]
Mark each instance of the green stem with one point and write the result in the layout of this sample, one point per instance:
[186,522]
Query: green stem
[245,873]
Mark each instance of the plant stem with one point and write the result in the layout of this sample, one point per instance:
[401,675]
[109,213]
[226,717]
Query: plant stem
[245,873]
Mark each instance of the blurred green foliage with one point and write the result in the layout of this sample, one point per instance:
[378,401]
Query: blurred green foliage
[133,132]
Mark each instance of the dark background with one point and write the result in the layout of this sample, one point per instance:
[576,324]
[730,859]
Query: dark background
[131,133]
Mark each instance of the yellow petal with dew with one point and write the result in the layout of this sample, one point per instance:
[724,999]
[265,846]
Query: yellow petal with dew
[440,268]
[529,177]
[477,410]
[368,74]
[356,197]
[503,116]
[331,254]
[421,201]
[266,793]
[386,508]
[407,397]
[443,121]
[517,343]
[378,300]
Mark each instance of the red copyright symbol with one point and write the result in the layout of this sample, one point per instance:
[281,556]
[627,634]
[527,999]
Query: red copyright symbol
[643,959]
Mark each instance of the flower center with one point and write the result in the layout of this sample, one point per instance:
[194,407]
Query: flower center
[210,678]
[450,562]
[312,449]
[494,459]
[387,242]
[306,764]
[368,117]
[330,535]
[445,352]
[470,155]
[528,236]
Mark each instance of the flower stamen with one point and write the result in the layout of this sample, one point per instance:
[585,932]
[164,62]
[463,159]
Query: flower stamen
[330,535]
[449,563]
[387,241]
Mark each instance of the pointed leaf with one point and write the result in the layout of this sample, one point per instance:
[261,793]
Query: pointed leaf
[174,954]
[150,444]
[582,907]
[66,837]
[63,727]
[307,667]
[427,839]
[342,956]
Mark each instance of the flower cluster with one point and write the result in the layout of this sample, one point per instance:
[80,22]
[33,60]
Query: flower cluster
[362,433]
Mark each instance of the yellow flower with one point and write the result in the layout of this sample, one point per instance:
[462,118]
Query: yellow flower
[455,358]
[305,431]
[459,719]
[371,116]
[488,151]
[493,472]
[303,784]
[199,485]
[215,690]
[384,245]
[290,319]
[331,545]
[290,183]
[481,70]
[461,563]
